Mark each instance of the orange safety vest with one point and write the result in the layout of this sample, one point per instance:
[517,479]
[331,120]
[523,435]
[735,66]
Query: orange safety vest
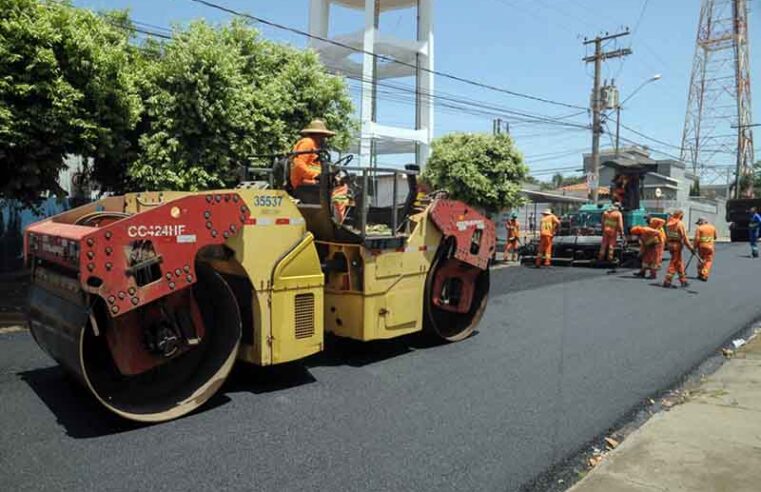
[705,235]
[547,225]
[650,237]
[340,195]
[513,229]
[610,221]
[674,230]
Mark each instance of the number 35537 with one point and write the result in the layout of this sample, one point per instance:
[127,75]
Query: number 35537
[268,201]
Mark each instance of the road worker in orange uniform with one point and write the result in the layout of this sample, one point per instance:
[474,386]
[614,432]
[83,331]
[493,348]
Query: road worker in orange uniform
[658,223]
[341,199]
[548,226]
[676,239]
[705,236]
[513,234]
[650,240]
[305,168]
[612,229]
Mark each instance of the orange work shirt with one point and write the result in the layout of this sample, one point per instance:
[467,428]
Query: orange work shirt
[513,229]
[548,225]
[650,237]
[305,167]
[612,222]
[705,235]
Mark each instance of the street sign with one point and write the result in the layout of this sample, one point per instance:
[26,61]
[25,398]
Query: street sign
[592,181]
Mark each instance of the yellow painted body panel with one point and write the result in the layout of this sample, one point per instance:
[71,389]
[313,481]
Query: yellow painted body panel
[280,261]
[297,304]
[384,297]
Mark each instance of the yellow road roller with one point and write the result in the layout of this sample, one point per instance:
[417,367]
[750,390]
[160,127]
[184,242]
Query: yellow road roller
[150,298]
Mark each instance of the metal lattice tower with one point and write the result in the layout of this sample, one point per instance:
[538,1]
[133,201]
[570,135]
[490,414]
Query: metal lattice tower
[717,130]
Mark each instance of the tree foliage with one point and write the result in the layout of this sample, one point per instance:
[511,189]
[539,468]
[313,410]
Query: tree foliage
[216,97]
[482,170]
[185,113]
[65,88]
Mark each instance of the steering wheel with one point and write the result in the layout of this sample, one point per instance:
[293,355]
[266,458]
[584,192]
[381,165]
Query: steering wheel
[344,161]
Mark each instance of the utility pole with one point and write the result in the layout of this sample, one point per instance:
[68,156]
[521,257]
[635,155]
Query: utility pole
[618,123]
[498,124]
[595,102]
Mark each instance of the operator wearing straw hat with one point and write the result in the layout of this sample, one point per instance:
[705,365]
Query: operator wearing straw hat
[306,167]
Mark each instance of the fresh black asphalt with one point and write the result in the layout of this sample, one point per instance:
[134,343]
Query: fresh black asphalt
[560,355]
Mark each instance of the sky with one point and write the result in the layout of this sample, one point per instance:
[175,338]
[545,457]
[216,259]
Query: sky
[533,47]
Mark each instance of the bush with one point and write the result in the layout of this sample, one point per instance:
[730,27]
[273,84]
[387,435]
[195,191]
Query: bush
[485,171]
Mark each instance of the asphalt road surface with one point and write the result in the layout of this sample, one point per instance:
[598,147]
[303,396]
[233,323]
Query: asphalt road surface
[560,355]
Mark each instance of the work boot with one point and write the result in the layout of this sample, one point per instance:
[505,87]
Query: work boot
[653,276]
[684,283]
[667,284]
[640,274]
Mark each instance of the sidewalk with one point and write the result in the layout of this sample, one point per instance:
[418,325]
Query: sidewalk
[711,442]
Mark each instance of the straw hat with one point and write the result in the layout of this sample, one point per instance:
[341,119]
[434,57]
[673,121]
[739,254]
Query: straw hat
[317,127]
[546,211]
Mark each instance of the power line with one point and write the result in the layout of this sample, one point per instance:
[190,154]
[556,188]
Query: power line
[494,110]
[477,109]
[641,16]
[667,144]
[386,58]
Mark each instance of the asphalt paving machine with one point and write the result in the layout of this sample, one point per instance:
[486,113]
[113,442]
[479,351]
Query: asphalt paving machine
[580,236]
[149,298]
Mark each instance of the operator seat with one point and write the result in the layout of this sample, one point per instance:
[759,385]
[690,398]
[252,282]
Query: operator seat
[281,175]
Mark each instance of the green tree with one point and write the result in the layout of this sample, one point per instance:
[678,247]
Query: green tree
[217,96]
[483,170]
[65,88]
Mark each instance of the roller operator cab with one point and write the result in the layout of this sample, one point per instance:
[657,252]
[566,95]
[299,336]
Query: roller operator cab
[149,298]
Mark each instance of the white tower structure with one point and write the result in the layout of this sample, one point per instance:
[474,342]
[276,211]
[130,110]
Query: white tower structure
[417,57]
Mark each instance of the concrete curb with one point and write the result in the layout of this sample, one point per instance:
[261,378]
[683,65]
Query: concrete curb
[711,442]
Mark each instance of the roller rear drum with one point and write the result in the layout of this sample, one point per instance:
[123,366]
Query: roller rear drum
[156,363]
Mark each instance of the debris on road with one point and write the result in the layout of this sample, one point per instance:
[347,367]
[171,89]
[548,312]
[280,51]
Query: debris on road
[738,342]
[612,443]
[673,398]
[595,460]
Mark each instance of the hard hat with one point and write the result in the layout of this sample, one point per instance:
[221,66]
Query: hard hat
[701,220]
[546,211]
[617,205]
[317,127]
[514,215]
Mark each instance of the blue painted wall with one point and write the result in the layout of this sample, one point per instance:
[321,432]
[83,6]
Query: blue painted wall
[13,220]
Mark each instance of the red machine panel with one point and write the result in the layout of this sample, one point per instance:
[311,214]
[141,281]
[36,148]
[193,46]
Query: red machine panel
[475,235]
[143,257]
